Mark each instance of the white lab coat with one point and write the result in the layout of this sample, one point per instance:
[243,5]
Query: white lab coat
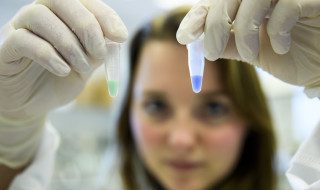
[304,171]
[37,176]
[303,174]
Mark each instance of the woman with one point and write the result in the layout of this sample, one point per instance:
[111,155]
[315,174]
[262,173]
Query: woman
[172,138]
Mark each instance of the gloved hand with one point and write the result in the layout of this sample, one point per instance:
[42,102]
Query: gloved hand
[47,52]
[280,37]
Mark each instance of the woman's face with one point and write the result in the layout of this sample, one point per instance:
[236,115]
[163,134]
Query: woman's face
[186,140]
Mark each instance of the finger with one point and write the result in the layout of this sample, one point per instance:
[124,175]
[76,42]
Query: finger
[250,15]
[23,43]
[82,22]
[218,26]
[309,8]
[111,24]
[49,27]
[231,51]
[283,18]
[192,25]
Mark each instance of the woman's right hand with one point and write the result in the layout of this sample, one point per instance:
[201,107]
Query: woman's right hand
[47,52]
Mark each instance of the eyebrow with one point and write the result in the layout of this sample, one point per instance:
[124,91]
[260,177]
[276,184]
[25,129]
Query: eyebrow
[156,94]
[205,94]
[213,93]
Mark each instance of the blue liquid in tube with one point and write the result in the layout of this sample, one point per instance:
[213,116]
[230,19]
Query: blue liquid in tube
[196,81]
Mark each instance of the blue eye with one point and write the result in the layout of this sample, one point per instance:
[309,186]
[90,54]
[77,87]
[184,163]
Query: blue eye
[155,107]
[215,109]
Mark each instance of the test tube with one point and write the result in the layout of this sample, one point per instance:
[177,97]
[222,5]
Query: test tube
[112,66]
[196,63]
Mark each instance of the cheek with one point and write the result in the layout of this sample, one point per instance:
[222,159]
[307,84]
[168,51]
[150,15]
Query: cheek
[146,133]
[225,138]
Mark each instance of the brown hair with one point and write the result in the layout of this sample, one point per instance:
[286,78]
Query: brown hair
[254,169]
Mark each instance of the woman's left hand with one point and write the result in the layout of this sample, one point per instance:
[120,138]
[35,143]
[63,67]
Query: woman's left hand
[280,37]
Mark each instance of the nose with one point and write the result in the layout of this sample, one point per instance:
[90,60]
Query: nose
[182,138]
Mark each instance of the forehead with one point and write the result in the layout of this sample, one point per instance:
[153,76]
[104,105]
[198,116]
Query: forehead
[163,65]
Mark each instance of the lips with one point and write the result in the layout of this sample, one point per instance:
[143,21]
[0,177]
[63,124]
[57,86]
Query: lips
[181,165]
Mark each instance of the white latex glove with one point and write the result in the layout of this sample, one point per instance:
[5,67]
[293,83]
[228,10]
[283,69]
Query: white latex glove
[286,45]
[47,52]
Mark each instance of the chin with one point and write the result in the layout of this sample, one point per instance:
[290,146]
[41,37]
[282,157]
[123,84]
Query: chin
[185,185]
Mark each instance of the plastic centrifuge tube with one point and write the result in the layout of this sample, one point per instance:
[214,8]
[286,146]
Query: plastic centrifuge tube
[112,65]
[196,63]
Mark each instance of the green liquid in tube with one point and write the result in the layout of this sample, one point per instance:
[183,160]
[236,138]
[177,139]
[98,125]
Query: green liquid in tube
[113,87]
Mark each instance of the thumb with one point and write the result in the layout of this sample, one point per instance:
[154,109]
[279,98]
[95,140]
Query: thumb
[192,26]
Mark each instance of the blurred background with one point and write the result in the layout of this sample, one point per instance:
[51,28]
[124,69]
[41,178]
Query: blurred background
[86,125]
